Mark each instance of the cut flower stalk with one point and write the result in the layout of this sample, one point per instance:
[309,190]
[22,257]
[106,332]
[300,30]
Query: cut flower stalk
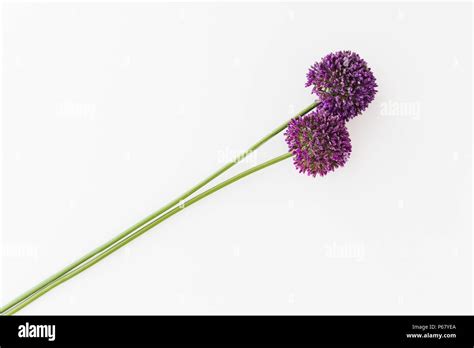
[5,309]
[51,285]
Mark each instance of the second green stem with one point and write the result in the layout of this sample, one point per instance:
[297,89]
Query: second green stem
[142,230]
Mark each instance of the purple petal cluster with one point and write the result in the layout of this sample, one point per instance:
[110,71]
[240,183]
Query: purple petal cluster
[319,142]
[344,84]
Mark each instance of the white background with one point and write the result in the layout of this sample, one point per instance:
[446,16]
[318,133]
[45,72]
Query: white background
[111,110]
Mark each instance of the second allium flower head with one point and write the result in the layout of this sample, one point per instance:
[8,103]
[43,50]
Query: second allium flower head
[319,141]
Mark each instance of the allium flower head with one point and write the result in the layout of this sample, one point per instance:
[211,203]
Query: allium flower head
[319,142]
[343,82]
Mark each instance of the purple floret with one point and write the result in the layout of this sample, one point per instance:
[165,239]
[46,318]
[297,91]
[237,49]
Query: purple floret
[344,84]
[319,142]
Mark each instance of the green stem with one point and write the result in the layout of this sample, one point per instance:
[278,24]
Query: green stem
[142,230]
[151,217]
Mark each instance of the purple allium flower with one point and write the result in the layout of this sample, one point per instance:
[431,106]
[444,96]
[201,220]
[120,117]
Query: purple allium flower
[343,82]
[319,142]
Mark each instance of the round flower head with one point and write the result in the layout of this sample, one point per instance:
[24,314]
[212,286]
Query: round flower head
[319,142]
[344,84]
